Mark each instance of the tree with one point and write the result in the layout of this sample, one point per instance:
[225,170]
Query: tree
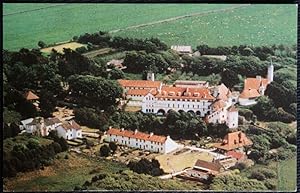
[47,103]
[90,117]
[104,151]
[263,108]
[113,146]
[229,78]
[90,90]
[116,74]
[144,166]
[42,44]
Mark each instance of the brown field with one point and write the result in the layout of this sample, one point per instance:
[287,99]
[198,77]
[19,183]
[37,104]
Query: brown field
[173,163]
[59,48]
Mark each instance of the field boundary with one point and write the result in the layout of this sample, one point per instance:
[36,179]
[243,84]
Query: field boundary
[31,10]
[180,17]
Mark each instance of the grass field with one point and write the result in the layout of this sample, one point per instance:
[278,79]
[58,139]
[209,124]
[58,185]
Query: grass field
[26,24]
[60,48]
[64,174]
[287,175]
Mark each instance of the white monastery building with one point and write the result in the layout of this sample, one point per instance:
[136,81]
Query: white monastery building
[136,139]
[196,97]
[255,87]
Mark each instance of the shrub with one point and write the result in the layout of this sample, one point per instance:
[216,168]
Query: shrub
[257,175]
[270,184]
[104,151]
[268,173]
[66,156]
[113,146]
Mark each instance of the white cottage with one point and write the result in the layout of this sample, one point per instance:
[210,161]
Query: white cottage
[136,139]
[39,125]
[69,130]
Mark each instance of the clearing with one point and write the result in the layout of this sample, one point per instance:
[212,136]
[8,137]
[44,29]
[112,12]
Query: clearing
[59,48]
[184,158]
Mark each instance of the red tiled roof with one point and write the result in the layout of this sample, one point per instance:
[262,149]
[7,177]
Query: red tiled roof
[224,92]
[208,165]
[138,135]
[52,121]
[234,140]
[218,104]
[184,93]
[71,125]
[250,93]
[142,92]
[31,96]
[139,83]
[232,109]
[255,83]
[235,154]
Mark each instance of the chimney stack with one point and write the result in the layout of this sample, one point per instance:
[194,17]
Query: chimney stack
[122,129]
[151,134]
[135,131]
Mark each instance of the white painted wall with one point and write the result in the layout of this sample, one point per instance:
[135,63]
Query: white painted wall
[246,102]
[232,119]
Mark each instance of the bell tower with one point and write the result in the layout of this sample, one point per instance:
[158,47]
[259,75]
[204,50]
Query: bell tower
[270,72]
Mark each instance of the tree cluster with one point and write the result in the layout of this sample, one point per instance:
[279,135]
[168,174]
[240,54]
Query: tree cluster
[30,156]
[145,166]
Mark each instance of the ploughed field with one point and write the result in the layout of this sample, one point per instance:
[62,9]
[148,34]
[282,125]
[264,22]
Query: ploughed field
[26,24]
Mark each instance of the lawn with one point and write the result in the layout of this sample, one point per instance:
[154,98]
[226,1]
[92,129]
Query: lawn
[25,25]
[61,23]
[287,175]
[64,174]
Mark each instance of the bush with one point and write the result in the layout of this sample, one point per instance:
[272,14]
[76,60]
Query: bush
[257,175]
[268,173]
[66,156]
[113,146]
[270,184]
[104,151]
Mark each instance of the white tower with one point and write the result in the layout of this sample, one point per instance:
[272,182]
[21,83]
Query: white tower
[150,76]
[232,117]
[270,72]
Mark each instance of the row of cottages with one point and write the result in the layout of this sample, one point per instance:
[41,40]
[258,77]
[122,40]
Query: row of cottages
[255,87]
[42,127]
[139,140]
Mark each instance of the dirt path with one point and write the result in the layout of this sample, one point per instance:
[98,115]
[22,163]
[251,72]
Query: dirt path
[180,17]
[31,10]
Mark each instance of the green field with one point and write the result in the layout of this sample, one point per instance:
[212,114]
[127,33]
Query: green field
[26,24]
[287,175]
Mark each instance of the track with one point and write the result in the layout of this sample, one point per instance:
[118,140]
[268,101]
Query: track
[32,10]
[180,17]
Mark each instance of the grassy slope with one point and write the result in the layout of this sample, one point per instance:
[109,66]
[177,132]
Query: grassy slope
[64,174]
[255,24]
[61,23]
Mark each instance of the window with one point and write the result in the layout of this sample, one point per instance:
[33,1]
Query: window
[136,144]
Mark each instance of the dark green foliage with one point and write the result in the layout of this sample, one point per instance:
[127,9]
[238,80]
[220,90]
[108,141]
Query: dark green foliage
[90,117]
[270,184]
[236,183]
[144,166]
[257,175]
[95,91]
[116,74]
[104,151]
[42,44]
[217,130]
[229,78]
[81,50]
[113,146]
[247,113]
[47,103]
[10,130]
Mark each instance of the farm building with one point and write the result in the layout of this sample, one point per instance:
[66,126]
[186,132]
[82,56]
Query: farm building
[255,87]
[136,139]
[33,98]
[69,130]
[233,141]
[203,170]
[182,49]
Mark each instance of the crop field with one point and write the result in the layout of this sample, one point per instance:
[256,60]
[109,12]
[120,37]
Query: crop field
[252,25]
[26,24]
